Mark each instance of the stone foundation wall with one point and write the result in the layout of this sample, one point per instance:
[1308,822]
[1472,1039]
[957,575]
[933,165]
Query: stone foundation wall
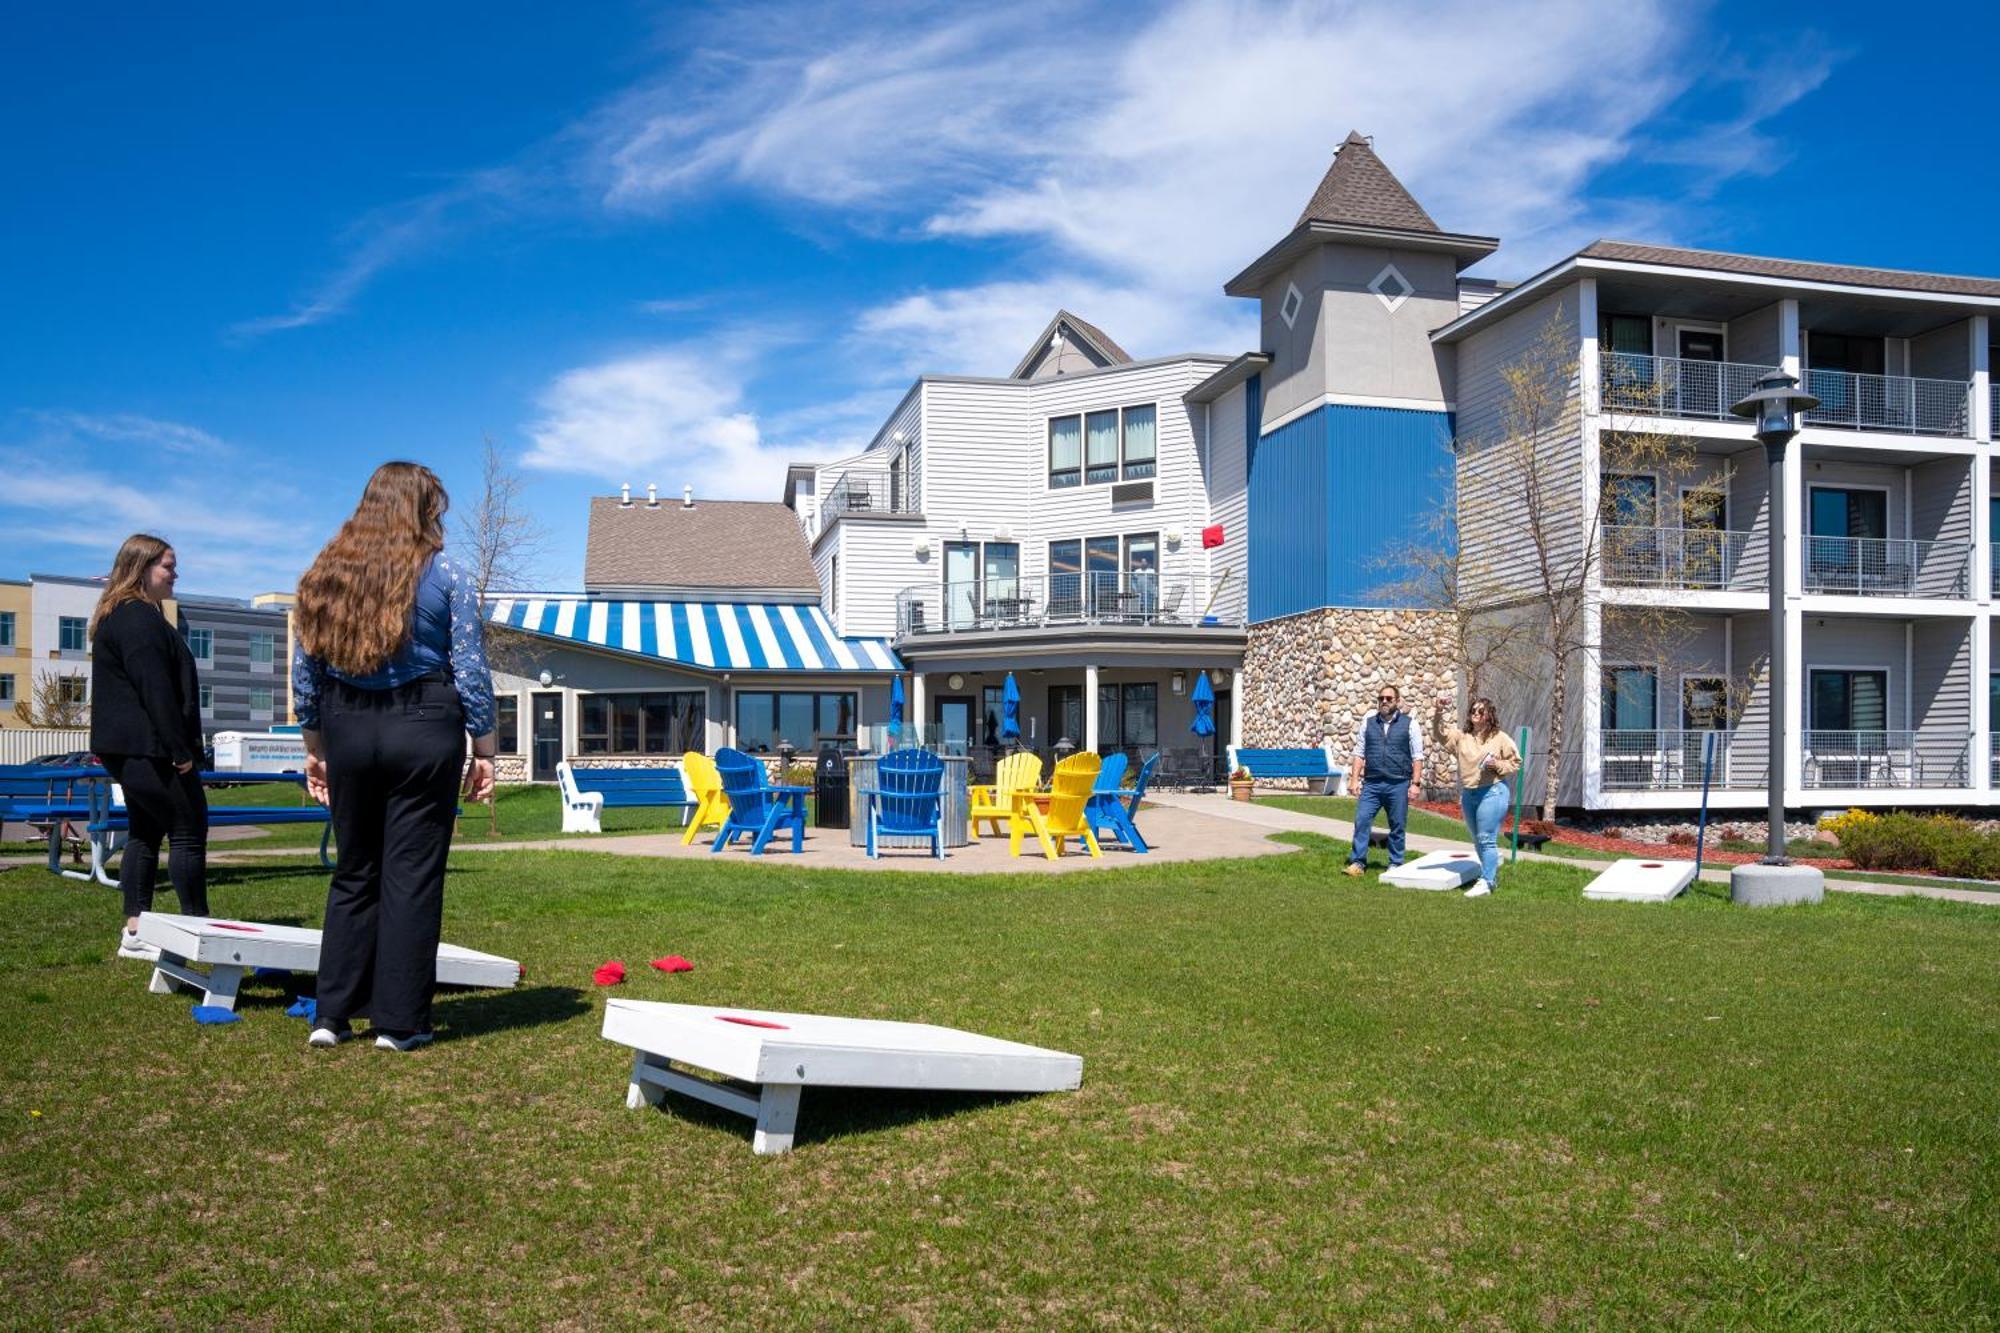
[1308,678]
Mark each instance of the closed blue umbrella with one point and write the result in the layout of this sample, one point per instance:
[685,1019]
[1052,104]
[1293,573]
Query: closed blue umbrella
[896,707]
[1010,710]
[1204,707]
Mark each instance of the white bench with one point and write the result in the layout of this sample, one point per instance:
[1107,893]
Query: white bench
[231,948]
[782,1053]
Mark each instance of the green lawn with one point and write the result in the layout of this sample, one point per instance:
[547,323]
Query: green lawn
[522,813]
[1308,1101]
[1342,807]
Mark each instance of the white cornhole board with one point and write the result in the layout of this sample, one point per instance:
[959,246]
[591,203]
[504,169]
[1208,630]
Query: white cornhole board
[232,948]
[1634,881]
[783,1053]
[1435,871]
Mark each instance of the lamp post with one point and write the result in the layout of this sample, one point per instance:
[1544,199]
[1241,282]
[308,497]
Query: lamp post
[1775,405]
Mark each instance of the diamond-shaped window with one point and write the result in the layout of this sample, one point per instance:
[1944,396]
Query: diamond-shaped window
[1391,288]
[1288,309]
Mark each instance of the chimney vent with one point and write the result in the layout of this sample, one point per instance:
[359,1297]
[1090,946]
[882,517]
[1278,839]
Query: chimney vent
[652,496]
[687,497]
[625,496]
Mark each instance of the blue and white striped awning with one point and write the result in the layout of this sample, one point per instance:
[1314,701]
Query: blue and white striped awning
[712,636]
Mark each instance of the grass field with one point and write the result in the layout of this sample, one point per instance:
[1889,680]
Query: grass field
[521,812]
[1307,1101]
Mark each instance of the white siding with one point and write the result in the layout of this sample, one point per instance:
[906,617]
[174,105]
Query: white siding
[1228,467]
[877,562]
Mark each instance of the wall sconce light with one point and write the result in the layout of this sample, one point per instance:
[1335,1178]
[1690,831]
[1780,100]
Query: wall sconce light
[1173,536]
[921,548]
[1180,682]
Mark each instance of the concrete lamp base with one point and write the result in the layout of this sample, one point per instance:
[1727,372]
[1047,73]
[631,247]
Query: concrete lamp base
[1776,886]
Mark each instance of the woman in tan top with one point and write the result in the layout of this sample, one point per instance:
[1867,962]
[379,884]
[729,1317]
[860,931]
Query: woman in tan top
[1487,757]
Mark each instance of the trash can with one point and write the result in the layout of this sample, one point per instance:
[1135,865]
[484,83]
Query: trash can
[830,788]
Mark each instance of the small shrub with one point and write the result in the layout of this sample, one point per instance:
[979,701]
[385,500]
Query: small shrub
[801,775]
[1538,828]
[1729,833]
[1838,824]
[1903,841]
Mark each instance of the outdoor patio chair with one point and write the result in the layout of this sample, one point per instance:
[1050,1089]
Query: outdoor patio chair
[711,808]
[990,805]
[1169,609]
[1068,815]
[757,806]
[1113,812]
[909,800]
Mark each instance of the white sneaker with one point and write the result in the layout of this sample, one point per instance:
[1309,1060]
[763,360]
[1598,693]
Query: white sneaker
[1479,890]
[385,1042]
[329,1036]
[131,946]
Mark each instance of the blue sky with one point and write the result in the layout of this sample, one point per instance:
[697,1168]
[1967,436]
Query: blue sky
[254,250]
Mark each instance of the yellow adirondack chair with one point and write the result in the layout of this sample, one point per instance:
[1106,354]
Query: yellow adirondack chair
[1068,814]
[1020,772]
[704,784]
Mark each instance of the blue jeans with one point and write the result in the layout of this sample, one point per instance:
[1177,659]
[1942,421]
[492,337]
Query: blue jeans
[1485,809]
[1391,796]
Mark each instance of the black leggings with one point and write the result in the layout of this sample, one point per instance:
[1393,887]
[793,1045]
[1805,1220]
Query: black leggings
[160,803]
[393,759]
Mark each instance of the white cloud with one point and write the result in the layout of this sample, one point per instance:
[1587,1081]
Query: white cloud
[131,428]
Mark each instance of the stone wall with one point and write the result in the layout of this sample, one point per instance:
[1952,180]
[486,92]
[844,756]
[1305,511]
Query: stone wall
[1308,678]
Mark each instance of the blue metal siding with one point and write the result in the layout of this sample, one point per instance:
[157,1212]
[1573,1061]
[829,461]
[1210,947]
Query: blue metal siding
[1330,494]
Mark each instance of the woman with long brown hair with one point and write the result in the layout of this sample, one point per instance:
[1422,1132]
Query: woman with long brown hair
[389,677]
[1487,757]
[145,728]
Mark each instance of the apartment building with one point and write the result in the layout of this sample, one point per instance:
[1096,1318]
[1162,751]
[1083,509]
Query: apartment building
[17,611]
[60,608]
[241,650]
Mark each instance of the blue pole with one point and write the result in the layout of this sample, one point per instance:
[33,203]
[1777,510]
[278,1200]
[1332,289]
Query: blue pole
[1520,790]
[1701,826]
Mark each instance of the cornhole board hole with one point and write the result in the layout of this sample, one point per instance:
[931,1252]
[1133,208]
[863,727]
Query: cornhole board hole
[781,1054]
[1435,871]
[1634,881]
[230,949]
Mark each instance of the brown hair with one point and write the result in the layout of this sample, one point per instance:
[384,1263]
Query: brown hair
[1492,715]
[127,583]
[355,602]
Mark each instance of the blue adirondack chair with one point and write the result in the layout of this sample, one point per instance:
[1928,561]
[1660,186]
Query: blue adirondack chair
[757,806]
[1113,812]
[908,800]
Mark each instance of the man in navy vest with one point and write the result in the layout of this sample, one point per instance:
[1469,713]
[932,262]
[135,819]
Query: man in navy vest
[1389,765]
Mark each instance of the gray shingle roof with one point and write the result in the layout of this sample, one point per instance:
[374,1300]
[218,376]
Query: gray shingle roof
[1797,270]
[1358,189]
[725,544]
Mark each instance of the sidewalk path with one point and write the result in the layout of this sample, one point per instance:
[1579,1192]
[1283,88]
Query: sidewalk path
[1220,806]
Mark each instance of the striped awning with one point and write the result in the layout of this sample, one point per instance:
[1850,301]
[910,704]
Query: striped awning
[711,636]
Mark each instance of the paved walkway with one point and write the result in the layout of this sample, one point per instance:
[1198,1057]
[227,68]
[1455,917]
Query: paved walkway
[1276,820]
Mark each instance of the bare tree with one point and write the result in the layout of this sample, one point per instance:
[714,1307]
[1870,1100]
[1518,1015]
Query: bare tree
[502,543]
[56,699]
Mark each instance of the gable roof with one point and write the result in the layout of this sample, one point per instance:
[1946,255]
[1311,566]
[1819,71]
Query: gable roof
[732,545]
[1093,339]
[1360,190]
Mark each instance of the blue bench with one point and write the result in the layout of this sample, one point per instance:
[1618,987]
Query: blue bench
[1314,765]
[587,792]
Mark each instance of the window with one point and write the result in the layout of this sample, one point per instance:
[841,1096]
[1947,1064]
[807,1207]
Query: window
[1141,442]
[992,708]
[1849,700]
[6,689]
[1631,335]
[207,700]
[1104,446]
[1630,501]
[72,689]
[507,723]
[1003,575]
[1839,351]
[201,643]
[262,698]
[1628,699]
[669,722]
[1704,703]
[1128,716]
[1065,452]
[1100,568]
[6,629]
[765,719]
[1843,513]
[70,632]
[262,644]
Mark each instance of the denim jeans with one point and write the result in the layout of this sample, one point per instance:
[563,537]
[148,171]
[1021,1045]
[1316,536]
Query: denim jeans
[1391,797]
[1485,809]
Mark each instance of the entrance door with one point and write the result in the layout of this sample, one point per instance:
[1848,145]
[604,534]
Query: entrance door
[952,722]
[547,731]
[961,584]
[1699,382]
[1704,516]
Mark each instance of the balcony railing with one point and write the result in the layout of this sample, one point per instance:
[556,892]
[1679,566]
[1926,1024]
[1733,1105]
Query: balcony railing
[1671,386]
[1688,558]
[1888,567]
[866,492]
[1890,402]
[1102,598]
[1890,760]
[1672,760]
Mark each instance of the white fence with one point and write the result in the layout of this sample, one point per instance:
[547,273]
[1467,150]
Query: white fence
[20,744]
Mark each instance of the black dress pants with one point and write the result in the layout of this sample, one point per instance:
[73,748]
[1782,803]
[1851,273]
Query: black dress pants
[393,759]
[161,803]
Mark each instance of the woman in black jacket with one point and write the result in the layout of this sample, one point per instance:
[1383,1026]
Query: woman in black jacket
[145,726]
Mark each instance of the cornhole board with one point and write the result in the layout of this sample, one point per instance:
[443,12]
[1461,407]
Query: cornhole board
[230,949]
[781,1054]
[1635,881]
[1435,871]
